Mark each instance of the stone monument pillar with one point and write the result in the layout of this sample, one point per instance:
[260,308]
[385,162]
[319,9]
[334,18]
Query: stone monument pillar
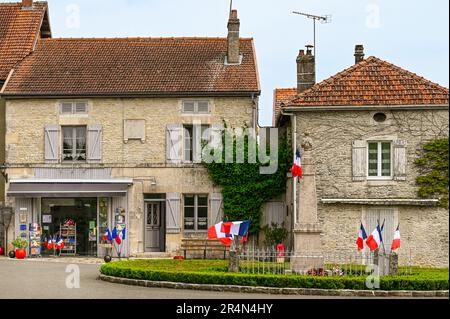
[307,243]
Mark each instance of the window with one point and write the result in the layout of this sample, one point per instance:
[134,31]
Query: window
[195,212]
[73,108]
[74,143]
[380,161]
[196,107]
[194,138]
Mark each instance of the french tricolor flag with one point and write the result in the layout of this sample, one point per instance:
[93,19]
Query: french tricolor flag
[297,170]
[374,241]
[396,241]
[361,237]
[215,232]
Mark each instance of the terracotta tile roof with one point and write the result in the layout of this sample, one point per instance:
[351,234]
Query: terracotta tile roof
[282,96]
[134,66]
[19,30]
[373,82]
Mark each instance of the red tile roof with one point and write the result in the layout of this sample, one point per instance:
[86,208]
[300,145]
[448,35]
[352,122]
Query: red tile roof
[373,82]
[282,96]
[19,30]
[129,66]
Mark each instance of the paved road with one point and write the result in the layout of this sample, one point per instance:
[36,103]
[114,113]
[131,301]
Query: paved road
[33,279]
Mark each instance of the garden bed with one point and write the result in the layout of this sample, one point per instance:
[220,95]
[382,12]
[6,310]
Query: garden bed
[214,272]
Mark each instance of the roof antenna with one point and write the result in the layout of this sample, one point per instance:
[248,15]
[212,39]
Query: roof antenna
[231,6]
[322,19]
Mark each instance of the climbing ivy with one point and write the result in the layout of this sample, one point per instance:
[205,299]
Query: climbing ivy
[433,165]
[244,188]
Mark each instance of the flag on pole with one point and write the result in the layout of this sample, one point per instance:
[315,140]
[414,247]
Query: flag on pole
[107,236]
[124,233]
[375,239]
[114,233]
[396,241]
[215,232]
[60,243]
[361,237]
[297,170]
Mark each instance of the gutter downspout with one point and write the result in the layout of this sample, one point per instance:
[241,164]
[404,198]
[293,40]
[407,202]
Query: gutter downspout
[293,117]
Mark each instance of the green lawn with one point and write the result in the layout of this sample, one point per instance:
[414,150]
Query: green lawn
[215,272]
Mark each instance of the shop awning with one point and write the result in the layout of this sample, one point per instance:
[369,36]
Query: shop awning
[68,188]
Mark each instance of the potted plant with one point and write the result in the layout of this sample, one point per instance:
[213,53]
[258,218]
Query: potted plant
[20,245]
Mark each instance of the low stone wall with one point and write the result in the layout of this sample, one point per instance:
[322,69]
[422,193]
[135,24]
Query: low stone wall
[277,291]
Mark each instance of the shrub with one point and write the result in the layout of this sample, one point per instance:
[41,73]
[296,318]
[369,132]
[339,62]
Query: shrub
[202,272]
[20,243]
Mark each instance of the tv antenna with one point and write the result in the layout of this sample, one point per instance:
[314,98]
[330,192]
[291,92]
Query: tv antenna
[321,19]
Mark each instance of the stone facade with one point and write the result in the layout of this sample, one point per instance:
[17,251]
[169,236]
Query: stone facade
[143,161]
[424,229]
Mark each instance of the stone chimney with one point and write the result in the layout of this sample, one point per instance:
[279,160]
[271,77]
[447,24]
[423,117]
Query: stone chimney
[27,3]
[306,69]
[359,53]
[233,56]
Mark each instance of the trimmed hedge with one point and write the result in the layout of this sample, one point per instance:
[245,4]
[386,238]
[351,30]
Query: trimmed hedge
[206,272]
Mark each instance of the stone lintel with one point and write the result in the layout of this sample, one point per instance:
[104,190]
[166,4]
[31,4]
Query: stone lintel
[381,201]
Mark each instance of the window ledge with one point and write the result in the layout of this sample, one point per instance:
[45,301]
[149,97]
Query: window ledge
[382,201]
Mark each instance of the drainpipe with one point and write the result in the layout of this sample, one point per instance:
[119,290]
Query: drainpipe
[293,117]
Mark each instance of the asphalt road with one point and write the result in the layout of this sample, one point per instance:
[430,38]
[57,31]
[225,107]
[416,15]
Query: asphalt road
[32,279]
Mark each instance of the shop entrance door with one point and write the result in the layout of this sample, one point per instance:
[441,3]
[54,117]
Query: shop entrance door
[154,227]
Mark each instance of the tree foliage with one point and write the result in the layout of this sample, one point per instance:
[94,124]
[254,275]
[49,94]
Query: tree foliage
[433,165]
[244,188]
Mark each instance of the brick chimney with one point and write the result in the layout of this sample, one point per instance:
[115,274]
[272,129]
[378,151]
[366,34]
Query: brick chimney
[306,69]
[27,3]
[359,53]
[233,56]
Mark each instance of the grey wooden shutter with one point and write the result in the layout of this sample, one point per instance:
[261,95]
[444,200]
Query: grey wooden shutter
[51,148]
[174,143]
[216,135]
[173,213]
[216,209]
[274,213]
[94,143]
[359,160]
[400,160]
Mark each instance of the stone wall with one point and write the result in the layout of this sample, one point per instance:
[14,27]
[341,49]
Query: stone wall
[144,162]
[2,149]
[424,230]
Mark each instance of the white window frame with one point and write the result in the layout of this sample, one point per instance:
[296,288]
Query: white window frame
[73,111]
[196,206]
[74,127]
[193,141]
[196,111]
[379,160]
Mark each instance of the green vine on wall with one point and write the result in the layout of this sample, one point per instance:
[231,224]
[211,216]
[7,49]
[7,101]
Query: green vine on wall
[244,188]
[433,165]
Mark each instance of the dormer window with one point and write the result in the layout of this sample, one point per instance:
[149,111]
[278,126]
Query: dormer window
[69,108]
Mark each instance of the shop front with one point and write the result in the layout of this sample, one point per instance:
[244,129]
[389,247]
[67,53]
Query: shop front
[76,213]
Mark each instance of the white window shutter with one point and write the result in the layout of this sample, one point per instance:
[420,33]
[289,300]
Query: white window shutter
[359,160]
[94,143]
[400,160]
[173,215]
[216,135]
[51,146]
[216,209]
[174,143]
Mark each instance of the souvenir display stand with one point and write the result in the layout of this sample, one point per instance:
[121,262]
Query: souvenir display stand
[68,233]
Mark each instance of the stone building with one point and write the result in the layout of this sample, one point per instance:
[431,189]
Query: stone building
[360,132]
[21,25]
[107,132]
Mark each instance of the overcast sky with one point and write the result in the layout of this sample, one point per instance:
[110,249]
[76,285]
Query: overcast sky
[412,34]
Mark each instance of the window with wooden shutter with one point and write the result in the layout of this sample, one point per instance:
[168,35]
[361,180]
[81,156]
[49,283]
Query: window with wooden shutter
[51,147]
[174,143]
[274,213]
[94,143]
[173,215]
[400,160]
[68,108]
[379,160]
[383,214]
[359,166]
[196,107]
[216,209]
